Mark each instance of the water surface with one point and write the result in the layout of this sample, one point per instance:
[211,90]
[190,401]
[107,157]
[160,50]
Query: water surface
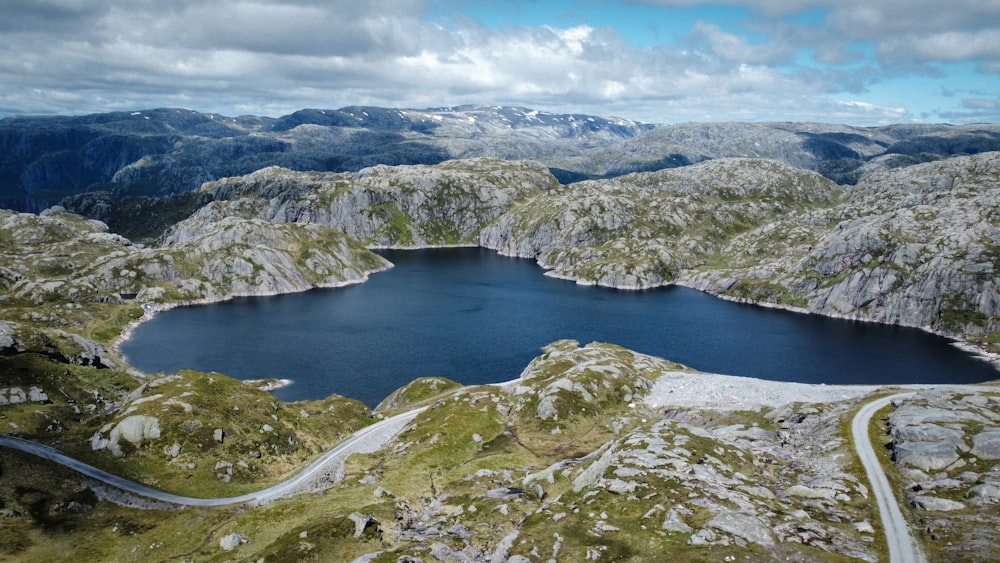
[475,317]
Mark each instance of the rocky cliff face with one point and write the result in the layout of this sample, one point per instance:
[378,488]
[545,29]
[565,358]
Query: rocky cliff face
[382,206]
[915,246]
[641,230]
[58,255]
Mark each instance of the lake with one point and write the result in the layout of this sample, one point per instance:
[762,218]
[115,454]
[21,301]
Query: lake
[475,317]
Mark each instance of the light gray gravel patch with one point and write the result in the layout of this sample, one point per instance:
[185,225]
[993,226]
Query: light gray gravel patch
[732,393]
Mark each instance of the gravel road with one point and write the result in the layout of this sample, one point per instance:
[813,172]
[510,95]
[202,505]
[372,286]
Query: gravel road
[902,547]
[317,475]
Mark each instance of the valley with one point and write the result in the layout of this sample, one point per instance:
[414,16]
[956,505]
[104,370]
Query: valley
[595,452]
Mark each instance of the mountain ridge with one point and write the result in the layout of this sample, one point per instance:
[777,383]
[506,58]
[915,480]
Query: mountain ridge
[44,159]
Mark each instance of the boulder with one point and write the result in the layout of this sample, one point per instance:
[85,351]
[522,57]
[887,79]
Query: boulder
[935,504]
[803,491]
[232,541]
[361,522]
[984,493]
[927,456]
[746,526]
[136,429]
[674,523]
[986,444]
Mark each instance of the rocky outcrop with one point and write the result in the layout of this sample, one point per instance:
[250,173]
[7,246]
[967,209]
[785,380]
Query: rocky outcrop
[230,542]
[944,444]
[57,344]
[914,247]
[211,261]
[382,206]
[18,395]
[136,430]
[62,256]
[642,230]
[567,380]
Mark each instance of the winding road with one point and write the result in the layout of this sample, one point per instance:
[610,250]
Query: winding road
[368,439]
[901,544]
[902,547]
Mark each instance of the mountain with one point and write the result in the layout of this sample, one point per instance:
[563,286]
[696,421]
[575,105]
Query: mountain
[167,151]
[594,453]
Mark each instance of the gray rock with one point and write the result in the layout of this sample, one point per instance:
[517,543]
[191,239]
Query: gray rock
[8,339]
[746,526]
[442,552]
[923,430]
[805,492]
[864,527]
[674,523]
[502,550]
[935,504]
[984,493]
[986,444]
[230,542]
[16,396]
[927,456]
[36,395]
[361,521]
[704,536]
[136,429]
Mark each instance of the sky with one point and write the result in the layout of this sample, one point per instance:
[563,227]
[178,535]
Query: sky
[860,62]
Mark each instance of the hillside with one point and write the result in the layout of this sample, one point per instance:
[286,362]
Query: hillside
[168,151]
[595,452]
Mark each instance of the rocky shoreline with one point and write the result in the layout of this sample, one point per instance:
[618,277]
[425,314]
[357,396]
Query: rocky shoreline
[150,310]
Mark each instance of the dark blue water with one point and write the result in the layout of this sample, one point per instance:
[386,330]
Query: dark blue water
[475,317]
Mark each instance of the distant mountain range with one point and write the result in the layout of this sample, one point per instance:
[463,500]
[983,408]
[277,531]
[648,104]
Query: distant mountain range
[44,160]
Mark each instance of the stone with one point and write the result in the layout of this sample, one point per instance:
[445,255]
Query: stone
[935,504]
[230,542]
[503,548]
[864,527]
[601,526]
[219,435]
[16,396]
[927,456]
[36,395]
[803,491]
[135,429]
[986,444]
[361,521]
[619,486]
[704,536]
[674,523]
[746,526]
[984,493]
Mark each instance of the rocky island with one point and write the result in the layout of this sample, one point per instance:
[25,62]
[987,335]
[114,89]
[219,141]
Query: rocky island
[594,452]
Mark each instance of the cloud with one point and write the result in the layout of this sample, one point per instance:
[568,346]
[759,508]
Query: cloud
[273,56]
[934,29]
[735,48]
[953,46]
